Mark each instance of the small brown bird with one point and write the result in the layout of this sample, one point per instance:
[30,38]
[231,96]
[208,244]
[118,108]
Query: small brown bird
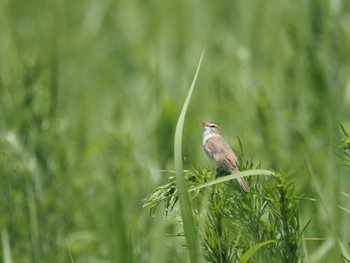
[218,150]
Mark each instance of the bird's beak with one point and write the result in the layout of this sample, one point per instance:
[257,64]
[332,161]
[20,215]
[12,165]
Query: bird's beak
[204,124]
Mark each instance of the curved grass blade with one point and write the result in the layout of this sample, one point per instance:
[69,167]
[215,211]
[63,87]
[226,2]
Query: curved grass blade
[233,176]
[184,200]
[152,201]
[250,252]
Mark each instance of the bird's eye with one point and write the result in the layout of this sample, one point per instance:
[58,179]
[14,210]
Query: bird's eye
[212,126]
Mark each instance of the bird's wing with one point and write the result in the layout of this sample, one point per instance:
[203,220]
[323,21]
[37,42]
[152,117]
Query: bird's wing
[222,153]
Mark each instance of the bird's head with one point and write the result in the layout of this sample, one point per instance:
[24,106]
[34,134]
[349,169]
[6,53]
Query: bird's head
[212,127]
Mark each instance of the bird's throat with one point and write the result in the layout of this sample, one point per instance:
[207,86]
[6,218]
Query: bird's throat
[207,133]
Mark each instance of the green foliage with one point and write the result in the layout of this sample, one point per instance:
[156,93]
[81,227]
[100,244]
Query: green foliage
[247,255]
[90,92]
[231,222]
[346,151]
[346,145]
[185,203]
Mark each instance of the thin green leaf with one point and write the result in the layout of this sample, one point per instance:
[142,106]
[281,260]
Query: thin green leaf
[343,129]
[157,197]
[184,200]
[316,238]
[233,176]
[306,225]
[345,194]
[248,254]
[7,258]
[344,209]
[344,250]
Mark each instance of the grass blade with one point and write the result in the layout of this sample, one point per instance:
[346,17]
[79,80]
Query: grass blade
[7,258]
[344,250]
[184,200]
[248,254]
[327,212]
[344,209]
[233,176]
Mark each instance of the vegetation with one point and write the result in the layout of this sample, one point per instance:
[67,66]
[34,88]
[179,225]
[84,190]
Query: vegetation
[90,94]
[231,221]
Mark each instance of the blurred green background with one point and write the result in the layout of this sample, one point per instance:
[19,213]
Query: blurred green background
[90,92]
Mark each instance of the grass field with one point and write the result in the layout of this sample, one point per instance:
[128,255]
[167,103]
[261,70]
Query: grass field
[90,94]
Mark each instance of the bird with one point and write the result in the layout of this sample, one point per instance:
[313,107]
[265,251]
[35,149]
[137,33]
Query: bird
[220,152]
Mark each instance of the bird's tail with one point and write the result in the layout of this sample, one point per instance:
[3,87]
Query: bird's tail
[243,184]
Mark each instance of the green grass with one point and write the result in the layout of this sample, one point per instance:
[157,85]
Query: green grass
[232,224]
[185,203]
[90,93]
